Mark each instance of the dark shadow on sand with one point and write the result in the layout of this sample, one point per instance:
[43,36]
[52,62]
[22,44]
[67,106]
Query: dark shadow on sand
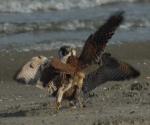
[13,114]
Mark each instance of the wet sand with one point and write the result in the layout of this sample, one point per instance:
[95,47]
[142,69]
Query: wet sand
[113,103]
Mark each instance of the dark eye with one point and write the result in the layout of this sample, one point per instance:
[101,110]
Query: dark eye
[64,51]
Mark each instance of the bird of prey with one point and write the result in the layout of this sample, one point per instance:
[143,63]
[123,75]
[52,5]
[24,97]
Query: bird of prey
[70,72]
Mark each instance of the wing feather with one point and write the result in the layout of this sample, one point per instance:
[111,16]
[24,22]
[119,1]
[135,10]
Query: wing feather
[96,42]
[111,70]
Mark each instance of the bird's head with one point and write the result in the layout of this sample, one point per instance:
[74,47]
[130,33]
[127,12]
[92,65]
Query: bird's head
[65,52]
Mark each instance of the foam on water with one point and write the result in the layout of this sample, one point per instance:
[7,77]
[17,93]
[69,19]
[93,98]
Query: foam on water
[25,31]
[11,28]
[42,47]
[28,6]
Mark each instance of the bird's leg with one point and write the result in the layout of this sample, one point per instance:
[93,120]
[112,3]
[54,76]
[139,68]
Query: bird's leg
[79,83]
[78,97]
[59,97]
[61,92]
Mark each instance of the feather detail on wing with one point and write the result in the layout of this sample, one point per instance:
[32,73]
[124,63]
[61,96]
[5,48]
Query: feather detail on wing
[111,70]
[96,42]
[62,67]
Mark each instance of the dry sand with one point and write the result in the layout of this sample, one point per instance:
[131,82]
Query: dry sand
[113,103]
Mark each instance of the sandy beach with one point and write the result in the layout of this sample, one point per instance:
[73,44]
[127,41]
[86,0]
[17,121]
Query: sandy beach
[113,103]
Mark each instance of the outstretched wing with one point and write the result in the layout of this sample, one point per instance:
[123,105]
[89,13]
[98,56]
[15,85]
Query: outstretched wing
[96,42]
[62,67]
[111,70]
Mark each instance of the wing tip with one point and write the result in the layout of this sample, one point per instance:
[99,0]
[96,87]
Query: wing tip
[136,73]
[116,18]
[119,15]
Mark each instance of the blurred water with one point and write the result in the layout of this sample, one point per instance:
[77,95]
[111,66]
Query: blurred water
[47,24]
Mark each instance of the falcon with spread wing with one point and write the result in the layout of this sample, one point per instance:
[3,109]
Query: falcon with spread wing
[72,71]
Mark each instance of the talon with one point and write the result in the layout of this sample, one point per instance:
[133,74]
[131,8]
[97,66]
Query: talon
[58,105]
